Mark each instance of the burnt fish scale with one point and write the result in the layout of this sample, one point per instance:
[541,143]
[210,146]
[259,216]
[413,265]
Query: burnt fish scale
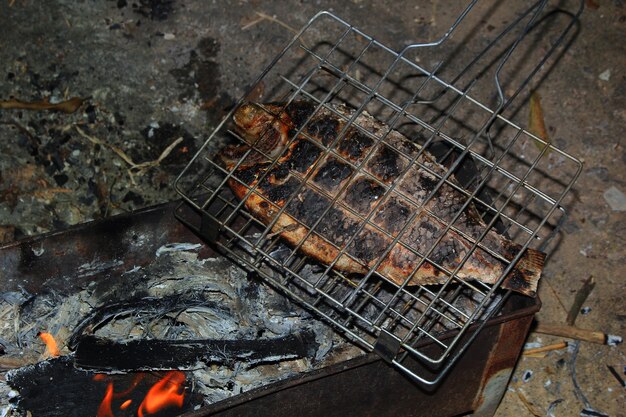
[337,221]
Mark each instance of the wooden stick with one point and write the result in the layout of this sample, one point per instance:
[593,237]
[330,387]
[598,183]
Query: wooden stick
[572,332]
[7,363]
[68,106]
[547,348]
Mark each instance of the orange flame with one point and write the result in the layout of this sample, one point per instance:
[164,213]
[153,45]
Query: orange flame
[105,406]
[51,344]
[167,392]
[125,404]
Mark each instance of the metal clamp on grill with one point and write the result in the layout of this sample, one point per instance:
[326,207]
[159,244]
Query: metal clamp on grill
[388,191]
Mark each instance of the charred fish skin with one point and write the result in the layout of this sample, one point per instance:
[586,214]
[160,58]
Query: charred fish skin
[330,179]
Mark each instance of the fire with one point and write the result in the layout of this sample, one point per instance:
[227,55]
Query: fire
[51,344]
[105,406]
[165,393]
[169,391]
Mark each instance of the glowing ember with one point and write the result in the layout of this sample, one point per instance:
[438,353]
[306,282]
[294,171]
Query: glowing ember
[165,393]
[125,404]
[51,344]
[105,406]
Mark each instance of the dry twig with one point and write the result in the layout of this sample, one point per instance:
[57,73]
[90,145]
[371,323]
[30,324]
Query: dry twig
[532,408]
[543,349]
[263,16]
[135,168]
[537,125]
[67,106]
[14,362]
[577,333]
[556,295]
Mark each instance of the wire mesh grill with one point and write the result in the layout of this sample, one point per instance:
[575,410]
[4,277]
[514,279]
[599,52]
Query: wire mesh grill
[454,111]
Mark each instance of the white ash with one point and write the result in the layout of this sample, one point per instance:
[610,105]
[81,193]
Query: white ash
[248,310]
[613,340]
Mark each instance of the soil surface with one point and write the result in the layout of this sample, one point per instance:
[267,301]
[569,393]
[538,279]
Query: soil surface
[152,78]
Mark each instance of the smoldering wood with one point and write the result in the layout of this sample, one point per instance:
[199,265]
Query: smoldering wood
[110,356]
[38,394]
[55,388]
[149,306]
[142,298]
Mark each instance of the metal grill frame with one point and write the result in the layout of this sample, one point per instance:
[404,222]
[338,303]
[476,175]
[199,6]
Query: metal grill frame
[437,302]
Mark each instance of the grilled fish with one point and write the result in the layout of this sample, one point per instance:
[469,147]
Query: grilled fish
[337,205]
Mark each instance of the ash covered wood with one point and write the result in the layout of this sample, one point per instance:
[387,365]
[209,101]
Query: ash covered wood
[107,355]
[182,295]
[149,306]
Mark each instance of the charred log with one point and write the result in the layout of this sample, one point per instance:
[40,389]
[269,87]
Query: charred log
[157,354]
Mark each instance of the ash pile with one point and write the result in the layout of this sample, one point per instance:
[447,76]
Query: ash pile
[199,327]
[226,331]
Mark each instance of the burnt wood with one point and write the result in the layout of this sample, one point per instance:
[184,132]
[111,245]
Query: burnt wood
[157,354]
[55,388]
[149,306]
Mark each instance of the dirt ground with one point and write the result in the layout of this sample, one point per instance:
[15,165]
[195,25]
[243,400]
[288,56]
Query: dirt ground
[151,78]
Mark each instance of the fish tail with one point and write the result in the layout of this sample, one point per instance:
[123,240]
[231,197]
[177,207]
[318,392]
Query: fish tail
[525,275]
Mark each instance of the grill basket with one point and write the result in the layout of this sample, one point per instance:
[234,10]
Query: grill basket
[451,99]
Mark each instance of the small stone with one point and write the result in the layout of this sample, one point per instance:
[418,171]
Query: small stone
[527,375]
[615,198]
[61,179]
[169,36]
[605,75]
[585,310]
[585,250]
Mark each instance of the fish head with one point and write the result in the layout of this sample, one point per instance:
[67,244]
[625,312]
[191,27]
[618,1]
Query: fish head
[262,126]
[251,120]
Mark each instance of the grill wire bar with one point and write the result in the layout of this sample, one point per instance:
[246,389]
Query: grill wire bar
[517,181]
